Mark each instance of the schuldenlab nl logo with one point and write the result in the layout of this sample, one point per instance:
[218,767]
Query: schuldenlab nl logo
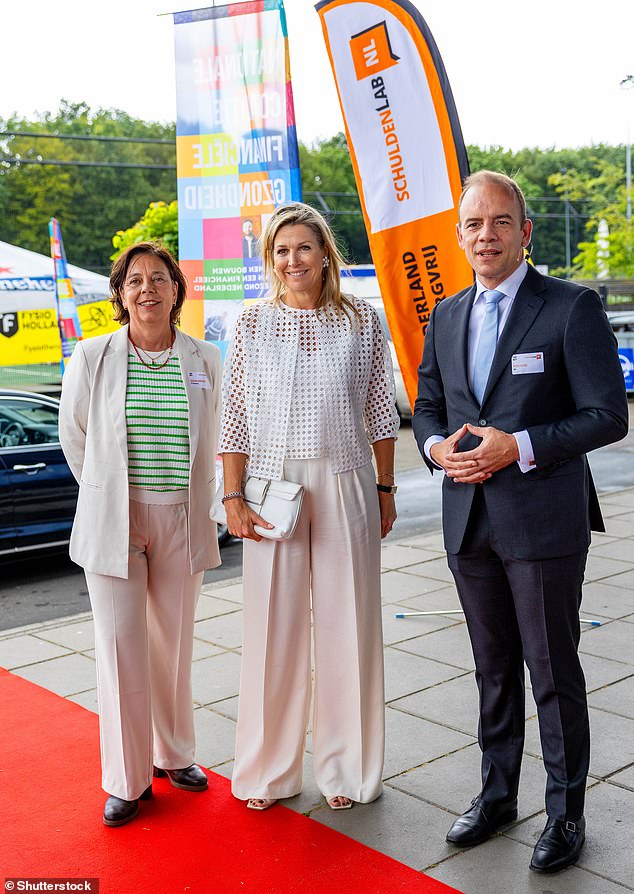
[371,51]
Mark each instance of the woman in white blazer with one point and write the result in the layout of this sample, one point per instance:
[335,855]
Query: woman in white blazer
[138,425]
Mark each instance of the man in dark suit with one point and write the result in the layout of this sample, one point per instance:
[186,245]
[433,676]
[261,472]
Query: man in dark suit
[518,498]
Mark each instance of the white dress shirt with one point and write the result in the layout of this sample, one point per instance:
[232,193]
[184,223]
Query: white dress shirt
[509,287]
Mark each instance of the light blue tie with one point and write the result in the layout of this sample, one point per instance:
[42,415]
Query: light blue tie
[486,343]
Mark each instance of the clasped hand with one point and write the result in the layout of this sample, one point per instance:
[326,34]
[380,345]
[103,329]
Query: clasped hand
[496,450]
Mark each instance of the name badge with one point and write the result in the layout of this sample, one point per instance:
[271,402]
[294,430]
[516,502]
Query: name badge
[521,364]
[198,380]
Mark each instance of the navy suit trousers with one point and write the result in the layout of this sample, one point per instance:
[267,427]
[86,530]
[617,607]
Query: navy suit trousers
[525,611]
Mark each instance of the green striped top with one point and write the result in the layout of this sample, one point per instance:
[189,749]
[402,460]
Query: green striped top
[158,426]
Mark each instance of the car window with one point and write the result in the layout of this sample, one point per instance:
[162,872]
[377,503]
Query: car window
[26,422]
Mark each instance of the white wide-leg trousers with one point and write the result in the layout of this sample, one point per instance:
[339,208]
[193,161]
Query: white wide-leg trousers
[144,630]
[333,556]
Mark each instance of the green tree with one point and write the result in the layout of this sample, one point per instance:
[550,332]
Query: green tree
[90,202]
[159,223]
[329,185]
[603,192]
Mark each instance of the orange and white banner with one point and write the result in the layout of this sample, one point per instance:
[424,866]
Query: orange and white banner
[408,156]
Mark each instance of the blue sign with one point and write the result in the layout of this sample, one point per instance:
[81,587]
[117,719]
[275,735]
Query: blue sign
[626,356]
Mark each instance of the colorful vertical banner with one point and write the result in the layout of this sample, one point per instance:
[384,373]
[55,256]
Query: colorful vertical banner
[236,151]
[67,316]
[408,156]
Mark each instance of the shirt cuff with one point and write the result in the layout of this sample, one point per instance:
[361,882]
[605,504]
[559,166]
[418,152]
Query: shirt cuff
[429,443]
[526,462]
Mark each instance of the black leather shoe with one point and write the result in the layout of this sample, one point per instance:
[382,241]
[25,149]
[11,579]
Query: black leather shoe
[481,821]
[191,779]
[559,845]
[118,812]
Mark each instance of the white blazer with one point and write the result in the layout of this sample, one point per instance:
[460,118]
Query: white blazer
[93,435]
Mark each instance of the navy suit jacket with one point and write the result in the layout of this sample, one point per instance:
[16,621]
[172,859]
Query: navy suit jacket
[578,403]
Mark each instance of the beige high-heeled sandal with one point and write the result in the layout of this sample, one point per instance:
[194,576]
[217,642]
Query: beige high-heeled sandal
[344,802]
[261,803]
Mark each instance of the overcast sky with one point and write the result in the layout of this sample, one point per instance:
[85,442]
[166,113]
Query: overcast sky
[543,74]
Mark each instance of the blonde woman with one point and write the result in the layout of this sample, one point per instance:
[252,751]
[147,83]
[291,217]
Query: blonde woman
[308,395]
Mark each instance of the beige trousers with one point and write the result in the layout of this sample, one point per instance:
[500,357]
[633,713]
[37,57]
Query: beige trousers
[333,557]
[144,630]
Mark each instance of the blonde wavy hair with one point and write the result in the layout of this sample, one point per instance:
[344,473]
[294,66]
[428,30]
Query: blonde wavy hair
[295,214]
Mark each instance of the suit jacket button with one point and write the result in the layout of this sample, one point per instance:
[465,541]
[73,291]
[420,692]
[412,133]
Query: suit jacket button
[482,422]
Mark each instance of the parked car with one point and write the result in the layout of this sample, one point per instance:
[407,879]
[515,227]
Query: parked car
[38,492]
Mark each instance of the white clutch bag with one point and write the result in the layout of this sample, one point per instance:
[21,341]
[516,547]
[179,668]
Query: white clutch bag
[278,502]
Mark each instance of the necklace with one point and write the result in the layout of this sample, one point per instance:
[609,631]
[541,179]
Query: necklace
[153,365]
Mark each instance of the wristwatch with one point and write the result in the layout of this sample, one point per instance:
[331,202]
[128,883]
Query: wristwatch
[387,488]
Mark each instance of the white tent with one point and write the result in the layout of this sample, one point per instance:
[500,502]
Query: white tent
[27,281]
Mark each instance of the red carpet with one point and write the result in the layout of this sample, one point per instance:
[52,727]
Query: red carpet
[51,805]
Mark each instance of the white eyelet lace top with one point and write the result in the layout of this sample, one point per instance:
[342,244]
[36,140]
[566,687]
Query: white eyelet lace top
[301,384]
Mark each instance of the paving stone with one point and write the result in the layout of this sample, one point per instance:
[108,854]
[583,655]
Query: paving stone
[613,510]
[611,738]
[397,585]
[215,678]
[406,672]
[225,630]
[600,672]
[86,699]
[27,649]
[452,781]
[411,741]
[394,555]
[618,698]
[625,579]
[434,541]
[434,568]
[203,649]
[231,592]
[624,778]
[598,568]
[620,498]
[611,640]
[444,598]
[215,738]
[427,675]
[79,637]
[212,606]
[618,526]
[452,703]
[67,675]
[618,549]
[228,707]
[500,866]
[450,646]
[607,600]
[404,828]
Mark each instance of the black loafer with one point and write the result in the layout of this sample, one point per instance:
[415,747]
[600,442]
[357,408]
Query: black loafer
[481,821]
[559,845]
[191,779]
[118,811]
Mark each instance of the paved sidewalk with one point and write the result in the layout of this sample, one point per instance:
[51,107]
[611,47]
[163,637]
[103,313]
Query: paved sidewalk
[432,758]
